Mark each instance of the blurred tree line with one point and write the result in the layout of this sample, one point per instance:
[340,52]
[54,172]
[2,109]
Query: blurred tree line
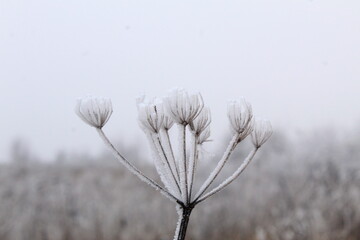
[298,188]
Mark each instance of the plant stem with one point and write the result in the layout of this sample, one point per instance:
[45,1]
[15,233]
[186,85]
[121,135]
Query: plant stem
[192,160]
[182,163]
[219,166]
[231,178]
[133,169]
[186,211]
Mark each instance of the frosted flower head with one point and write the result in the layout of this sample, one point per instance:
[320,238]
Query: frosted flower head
[183,107]
[201,122]
[262,132]
[94,111]
[151,115]
[241,116]
[167,123]
[204,136]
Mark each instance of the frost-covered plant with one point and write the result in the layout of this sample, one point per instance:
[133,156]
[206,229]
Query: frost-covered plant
[177,169]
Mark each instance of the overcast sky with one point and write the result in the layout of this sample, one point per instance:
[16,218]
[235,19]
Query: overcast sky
[296,61]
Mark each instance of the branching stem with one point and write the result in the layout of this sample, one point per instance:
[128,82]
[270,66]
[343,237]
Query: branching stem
[183,221]
[183,163]
[219,166]
[170,153]
[134,170]
[231,178]
[192,161]
[163,156]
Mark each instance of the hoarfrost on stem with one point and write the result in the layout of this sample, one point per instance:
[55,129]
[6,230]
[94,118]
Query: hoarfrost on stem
[177,172]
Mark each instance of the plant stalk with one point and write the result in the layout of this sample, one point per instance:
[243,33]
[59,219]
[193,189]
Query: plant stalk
[185,217]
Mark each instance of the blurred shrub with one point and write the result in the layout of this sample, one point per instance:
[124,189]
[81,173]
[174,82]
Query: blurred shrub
[307,189]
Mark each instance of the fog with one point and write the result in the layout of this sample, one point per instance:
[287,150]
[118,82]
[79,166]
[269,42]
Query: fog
[293,190]
[295,61]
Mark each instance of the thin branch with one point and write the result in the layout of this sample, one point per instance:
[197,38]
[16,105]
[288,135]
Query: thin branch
[182,162]
[164,158]
[231,178]
[219,166]
[133,169]
[178,225]
[192,160]
[165,140]
[160,166]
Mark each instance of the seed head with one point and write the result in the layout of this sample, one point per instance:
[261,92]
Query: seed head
[151,115]
[201,122]
[94,111]
[183,107]
[241,116]
[167,123]
[262,132]
[204,136]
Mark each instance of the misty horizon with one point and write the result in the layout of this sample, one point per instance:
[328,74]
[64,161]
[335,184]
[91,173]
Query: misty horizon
[295,62]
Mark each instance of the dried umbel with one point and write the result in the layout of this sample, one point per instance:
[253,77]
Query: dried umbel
[182,106]
[94,111]
[261,133]
[151,116]
[187,111]
[201,122]
[241,117]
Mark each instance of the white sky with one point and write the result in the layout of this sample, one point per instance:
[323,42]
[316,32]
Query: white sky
[296,61]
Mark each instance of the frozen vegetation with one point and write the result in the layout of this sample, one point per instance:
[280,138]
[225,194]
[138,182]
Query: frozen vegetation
[302,189]
[177,168]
